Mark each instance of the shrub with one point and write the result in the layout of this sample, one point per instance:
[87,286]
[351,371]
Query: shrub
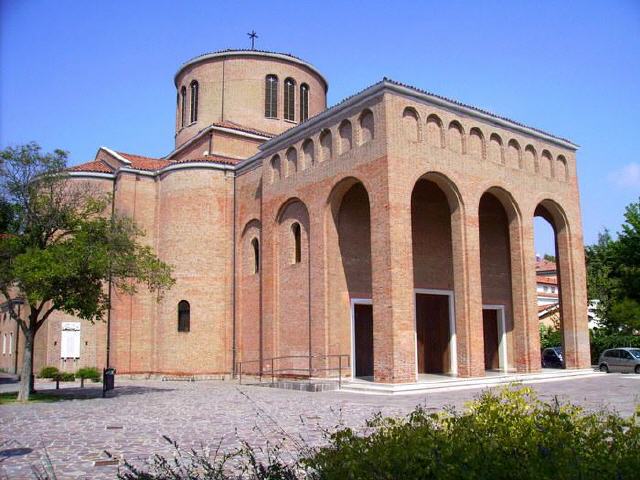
[49,372]
[89,373]
[504,434]
[65,377]
[550,337]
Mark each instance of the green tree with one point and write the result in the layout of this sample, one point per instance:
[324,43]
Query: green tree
[62,247]
[613,275]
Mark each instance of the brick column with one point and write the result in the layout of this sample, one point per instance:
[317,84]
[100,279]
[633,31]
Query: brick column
[394,343]
[573,298]
[465,236]
[525,303]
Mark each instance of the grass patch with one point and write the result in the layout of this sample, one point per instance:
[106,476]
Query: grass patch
[12,397]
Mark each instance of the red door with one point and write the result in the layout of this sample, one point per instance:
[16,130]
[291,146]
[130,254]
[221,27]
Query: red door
[363,339]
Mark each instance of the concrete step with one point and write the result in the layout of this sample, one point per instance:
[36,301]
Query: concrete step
[452,383]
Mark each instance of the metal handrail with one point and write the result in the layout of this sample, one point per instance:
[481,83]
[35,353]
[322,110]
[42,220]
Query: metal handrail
[310,370]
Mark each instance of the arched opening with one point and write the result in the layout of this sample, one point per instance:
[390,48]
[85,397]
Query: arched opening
[350,309]
[367,128]
[546,164]
[346,136]
[530,159]
[548,292]
[184,316]
[496,278]
[433,276]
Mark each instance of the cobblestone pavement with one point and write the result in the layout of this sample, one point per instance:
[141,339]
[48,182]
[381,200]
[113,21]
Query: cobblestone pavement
[76,432]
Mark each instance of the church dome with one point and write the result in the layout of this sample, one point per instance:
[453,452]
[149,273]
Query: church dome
[264,91]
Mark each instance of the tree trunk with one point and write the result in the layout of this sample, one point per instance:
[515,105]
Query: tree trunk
[27,367]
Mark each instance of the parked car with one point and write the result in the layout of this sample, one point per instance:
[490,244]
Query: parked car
[620,360]
[552,358]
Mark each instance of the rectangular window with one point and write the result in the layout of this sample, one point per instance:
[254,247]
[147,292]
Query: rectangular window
[70,340]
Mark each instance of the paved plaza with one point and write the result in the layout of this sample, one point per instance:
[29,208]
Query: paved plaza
[75,433]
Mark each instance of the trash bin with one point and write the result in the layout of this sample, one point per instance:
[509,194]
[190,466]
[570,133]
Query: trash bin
[108,379]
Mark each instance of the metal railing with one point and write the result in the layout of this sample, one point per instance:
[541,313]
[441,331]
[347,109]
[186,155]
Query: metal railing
[306,372]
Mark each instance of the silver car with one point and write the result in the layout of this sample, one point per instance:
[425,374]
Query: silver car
[620,360]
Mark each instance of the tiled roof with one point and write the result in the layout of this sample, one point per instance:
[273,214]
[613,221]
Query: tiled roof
[94,166]
[545,266]
[549,306]
[548,280]
[389,81]
[210,159]
[485,112]
[235,126]
[144,163]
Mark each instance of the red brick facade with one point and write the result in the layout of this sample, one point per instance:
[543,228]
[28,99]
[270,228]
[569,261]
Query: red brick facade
[390,194]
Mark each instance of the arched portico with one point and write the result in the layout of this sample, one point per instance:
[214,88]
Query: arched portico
[572,296]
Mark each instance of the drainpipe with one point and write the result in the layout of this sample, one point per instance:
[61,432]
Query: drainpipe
[309,288]
[261,343]
[234,337]
[17,345]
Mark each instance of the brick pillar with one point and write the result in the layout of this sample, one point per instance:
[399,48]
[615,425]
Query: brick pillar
[525,302]
[573,298]
[465,236]
[394,343]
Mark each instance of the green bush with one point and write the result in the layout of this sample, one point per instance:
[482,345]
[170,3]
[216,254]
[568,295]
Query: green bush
[510,434]
[49,372]
[501,435]
[65,377]
[89,373]
[550,337]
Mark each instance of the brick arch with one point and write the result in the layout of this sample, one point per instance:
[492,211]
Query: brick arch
[292,161]
[366,122]
[292,299]
[249,318]
[435,131]
[456,138]
[477,144]
[411,124]
[345,134]
[562,169]
[568,258]
[496,152]
[514,154]
[503,261]
[447,185]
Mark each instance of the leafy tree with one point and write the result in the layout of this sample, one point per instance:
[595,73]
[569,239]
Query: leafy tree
[613,275]
[62,247]
[549,258]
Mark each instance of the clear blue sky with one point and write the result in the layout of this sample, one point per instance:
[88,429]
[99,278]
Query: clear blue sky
[81,74]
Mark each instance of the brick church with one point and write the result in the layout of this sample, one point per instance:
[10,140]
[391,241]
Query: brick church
[391,234]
